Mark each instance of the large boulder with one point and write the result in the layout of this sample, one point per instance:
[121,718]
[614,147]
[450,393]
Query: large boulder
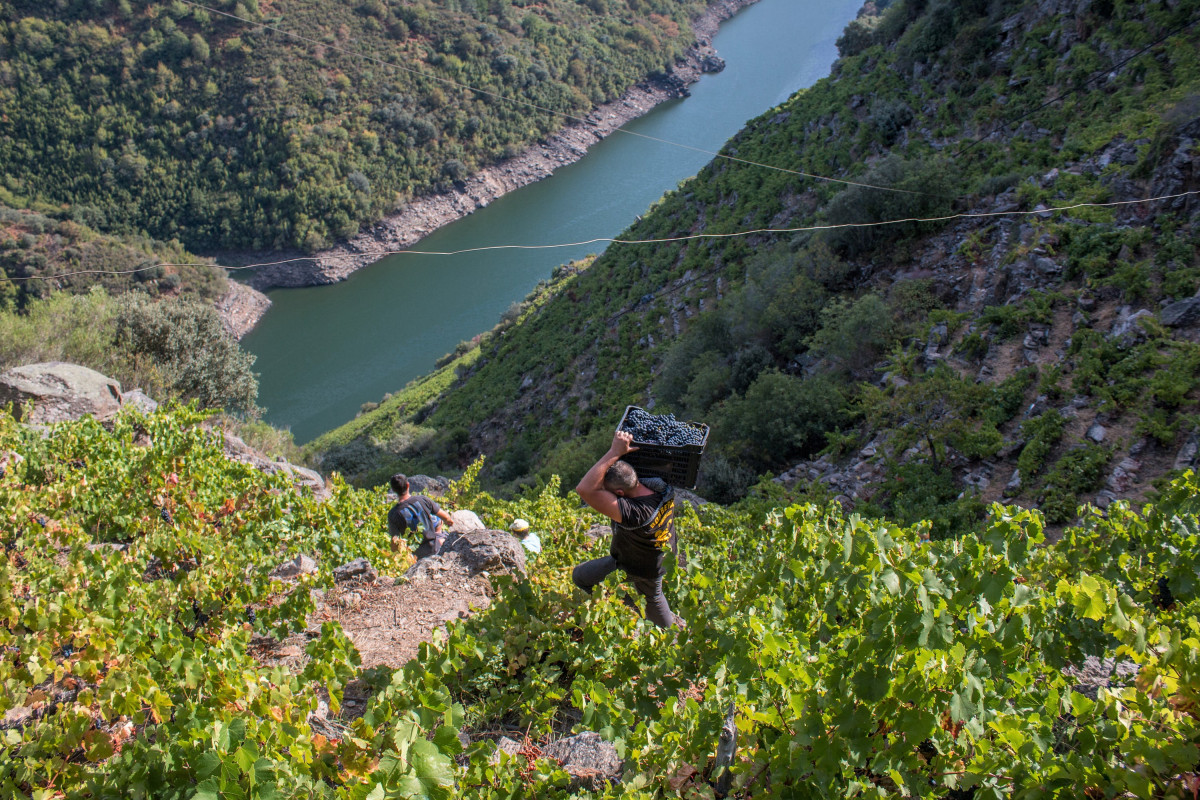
[43,394]
[1182,314]
[423,484]
[466,521]
[588,759]
[497,552]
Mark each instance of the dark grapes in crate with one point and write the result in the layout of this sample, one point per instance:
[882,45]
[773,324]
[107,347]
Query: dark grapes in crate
[664,429]
[667,448]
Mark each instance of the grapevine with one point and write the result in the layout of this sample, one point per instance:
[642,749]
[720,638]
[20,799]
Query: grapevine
[861,661]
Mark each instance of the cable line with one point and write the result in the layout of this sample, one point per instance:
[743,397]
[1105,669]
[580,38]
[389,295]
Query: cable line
[535,106]
[606,240]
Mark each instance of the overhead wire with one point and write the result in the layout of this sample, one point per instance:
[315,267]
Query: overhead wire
[517,101]
[608,240]
[613,240]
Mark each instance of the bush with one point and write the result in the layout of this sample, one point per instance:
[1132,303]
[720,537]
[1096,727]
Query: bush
[63,327]
[1041,433]
[182,348]
[854,335]
[890,117]
[858,36]
[782,416]
[1081,470]
[920,491]
[926,190]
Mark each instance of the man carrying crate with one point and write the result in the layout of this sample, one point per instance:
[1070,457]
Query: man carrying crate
[643,515]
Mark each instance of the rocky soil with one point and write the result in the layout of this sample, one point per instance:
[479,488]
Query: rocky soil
[388,618]
[241,307]
[425,215]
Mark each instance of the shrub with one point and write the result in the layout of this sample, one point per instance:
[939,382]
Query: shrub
[1081,470]
[854,335]
[181,347]
[1041,433]
[889,118]
[782,416]
[926,187]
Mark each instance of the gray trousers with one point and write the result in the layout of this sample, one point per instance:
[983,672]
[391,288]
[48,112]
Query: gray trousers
[590,574]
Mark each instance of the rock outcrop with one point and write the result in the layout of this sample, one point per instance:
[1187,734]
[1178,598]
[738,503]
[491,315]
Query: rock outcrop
[424,484]
[241,307]
[1182,314]
[588,759]
[305,478]
[493,552]
[56,391]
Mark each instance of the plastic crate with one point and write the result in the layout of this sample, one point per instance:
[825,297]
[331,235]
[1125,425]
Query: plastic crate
[677,465]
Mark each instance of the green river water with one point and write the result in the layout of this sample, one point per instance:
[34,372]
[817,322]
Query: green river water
[323,351]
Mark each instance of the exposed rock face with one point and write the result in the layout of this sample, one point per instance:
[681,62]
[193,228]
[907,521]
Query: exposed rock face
[589,760]
[303,477]
[241,307]
[423,484]
[1127,330]
[1183,314]
[496,552]
[1187,457]
[43,394]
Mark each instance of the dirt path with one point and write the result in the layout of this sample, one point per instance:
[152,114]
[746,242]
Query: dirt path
[387,620]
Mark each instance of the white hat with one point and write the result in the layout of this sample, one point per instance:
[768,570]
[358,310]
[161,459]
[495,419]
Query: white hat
[519,526]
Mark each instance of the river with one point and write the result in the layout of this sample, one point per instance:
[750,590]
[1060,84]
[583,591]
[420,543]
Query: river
[324,351]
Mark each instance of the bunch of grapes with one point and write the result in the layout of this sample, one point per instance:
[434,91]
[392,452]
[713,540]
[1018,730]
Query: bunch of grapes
[1163,597]
[665,430]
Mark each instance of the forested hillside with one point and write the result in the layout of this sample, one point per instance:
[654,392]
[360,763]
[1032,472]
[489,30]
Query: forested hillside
[210,124]
[853,657]
[41,253]
[1010,353]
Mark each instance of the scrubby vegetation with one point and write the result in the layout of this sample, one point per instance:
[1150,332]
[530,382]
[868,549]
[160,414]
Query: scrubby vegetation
[182,121]
[175,349]
[859,659]
[41,253]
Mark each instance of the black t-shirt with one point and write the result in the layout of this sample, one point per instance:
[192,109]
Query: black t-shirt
[646,530]
[397,524]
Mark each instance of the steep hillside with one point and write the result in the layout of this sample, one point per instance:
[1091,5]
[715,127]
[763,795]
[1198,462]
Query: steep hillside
[289,123]
[949,353]
[41,253]
[849,657]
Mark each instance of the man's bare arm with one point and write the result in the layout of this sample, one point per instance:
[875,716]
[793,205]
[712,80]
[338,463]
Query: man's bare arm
[591,486]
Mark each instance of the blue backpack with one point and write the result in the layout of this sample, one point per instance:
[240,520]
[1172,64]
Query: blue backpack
[417,518]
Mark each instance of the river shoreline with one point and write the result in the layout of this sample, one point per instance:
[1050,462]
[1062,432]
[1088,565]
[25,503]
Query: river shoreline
[427,214]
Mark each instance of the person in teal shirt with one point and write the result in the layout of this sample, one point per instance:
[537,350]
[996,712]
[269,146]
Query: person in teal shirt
[529,539]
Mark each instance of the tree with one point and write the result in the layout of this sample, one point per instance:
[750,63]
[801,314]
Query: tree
[938,409]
